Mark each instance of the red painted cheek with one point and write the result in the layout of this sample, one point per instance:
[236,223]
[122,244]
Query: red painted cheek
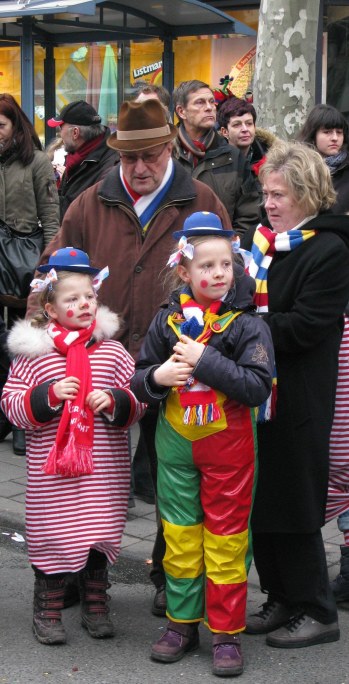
[203,283]
[70,314]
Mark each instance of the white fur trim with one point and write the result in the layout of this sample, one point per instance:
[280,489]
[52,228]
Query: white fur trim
[32,342]
[28,341]
[107,323]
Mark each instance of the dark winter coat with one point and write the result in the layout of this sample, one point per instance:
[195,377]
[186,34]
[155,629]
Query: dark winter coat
[103,223]
[238,361]
[308,289]
[340,180]
[226,171]
[92,169]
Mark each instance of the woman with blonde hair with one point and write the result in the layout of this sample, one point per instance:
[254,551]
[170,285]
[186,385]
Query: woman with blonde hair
[301,267]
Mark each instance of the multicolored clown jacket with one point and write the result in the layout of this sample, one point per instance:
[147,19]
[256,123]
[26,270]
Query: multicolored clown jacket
[206,448]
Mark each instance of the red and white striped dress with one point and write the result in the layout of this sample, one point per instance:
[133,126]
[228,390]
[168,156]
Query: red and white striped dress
[338,489]
[67,517]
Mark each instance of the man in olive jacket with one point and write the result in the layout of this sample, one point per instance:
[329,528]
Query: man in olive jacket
[127,221]
[208,157]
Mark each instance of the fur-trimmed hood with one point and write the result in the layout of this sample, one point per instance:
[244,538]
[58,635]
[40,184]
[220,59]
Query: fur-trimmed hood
[265,137]
[24,339]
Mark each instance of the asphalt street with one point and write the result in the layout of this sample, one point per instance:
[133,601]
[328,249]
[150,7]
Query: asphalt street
[125,658]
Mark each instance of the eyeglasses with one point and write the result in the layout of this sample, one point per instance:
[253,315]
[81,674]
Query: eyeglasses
[146,157]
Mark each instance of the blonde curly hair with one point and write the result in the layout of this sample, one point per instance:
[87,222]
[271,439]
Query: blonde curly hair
[305,173]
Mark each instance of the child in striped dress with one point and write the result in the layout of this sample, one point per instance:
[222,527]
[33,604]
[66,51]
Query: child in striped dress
[68,387]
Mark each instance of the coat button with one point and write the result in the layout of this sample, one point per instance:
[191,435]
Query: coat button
[135,337]
[138,269]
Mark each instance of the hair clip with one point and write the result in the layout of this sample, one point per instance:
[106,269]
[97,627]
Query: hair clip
[98,279]
[184,249]
[38,285]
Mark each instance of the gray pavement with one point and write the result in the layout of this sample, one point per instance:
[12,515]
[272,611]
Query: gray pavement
[132,595]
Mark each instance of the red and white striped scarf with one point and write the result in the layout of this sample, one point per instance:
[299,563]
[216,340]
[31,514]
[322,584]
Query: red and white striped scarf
[71,455]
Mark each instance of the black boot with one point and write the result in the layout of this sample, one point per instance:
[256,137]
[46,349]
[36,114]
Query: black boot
[5,426]
[340,586]
[18,441]
[48,603]
[94,599]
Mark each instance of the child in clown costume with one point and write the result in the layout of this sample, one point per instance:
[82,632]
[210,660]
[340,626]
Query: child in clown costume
[69,388]
[208,360]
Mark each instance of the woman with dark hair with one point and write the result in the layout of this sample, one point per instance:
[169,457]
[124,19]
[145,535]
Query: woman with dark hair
[327,130]
[28,200]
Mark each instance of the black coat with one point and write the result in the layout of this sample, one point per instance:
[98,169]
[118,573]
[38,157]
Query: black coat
[308,289]
[92,169]
[340,180]
[232,361]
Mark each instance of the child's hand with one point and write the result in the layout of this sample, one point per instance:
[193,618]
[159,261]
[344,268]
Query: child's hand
[66,388]
[172,374]
[188,351]
[98,401]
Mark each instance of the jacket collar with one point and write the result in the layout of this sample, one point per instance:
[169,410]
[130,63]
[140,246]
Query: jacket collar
[33,342]
[182,189]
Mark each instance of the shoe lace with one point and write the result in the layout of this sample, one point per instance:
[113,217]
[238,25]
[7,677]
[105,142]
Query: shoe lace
[295,622]
[267,609]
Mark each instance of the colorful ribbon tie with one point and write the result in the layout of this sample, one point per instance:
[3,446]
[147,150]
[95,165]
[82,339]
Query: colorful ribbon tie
[98,279]
[184,249]
[39,284]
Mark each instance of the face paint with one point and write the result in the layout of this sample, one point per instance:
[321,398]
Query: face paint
[70,313]
[203,283]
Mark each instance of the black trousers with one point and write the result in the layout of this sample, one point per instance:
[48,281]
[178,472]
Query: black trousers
[147,426]
[292,570]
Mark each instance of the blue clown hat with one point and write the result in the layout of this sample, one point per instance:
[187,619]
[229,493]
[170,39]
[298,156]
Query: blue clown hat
[203,223]
[69,259]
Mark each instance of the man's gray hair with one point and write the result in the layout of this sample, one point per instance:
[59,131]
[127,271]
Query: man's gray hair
[91,132]
[180,94]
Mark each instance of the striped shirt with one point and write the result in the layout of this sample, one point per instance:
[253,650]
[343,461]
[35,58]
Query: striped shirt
[338,489]
[67,517]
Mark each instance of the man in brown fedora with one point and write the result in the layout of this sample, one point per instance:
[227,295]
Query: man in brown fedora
[126,221]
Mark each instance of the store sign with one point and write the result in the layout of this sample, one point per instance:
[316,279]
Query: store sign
[147,69]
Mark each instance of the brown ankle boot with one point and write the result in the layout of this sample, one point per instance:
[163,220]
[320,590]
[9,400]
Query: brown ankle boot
[94,598]
[48,603]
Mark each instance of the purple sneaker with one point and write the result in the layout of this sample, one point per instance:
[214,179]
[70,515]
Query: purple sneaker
[179,638]
[227,656]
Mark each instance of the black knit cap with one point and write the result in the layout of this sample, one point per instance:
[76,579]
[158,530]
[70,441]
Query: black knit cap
[78,113]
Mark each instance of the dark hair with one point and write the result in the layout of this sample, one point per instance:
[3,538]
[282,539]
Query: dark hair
[322,116]
[23,130]
[180,94]
[162,93]
[234,106]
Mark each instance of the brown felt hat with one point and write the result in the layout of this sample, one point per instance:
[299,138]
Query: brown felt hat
[141,125]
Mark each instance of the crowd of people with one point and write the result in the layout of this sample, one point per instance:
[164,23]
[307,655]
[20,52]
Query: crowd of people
[220,256]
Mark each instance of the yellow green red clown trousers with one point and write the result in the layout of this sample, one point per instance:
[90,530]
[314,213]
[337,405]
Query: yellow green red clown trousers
[205,496]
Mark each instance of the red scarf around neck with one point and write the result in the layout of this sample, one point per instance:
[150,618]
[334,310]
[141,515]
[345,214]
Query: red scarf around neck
[71,455]
[74,159]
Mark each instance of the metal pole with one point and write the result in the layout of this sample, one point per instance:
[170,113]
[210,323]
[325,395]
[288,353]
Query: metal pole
[27,69]
[168,65]
[318,61]
[49,91]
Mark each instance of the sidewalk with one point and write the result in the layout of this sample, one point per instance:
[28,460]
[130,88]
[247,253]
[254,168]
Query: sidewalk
[140,528]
